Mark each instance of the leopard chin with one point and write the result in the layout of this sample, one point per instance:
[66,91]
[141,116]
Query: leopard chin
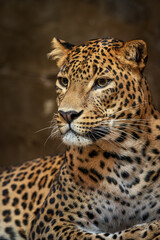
[71,138]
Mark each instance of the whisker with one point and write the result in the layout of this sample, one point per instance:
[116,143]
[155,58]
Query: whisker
[43,129]
[135,130]
[59,145]
[130,135]
[134,120]
[130,126]
[112,141]
[47,139]
[54,133]
[125,109]
[126,121]
[115,141]
[99,135]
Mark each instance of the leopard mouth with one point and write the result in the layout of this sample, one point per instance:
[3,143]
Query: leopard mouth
[71,131]
[94,134]
[74,138]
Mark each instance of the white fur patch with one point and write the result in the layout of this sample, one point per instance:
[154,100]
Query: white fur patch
[70,138]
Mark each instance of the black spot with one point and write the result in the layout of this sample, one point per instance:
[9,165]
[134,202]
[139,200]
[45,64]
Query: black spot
[98,211]
[52,200]
[145,216]
[111,180]
[93,153]
[153,204]
[126,158]
[47,219]
[121,138]
[6,212]
[114,236]
[83,170]
[57,205]
[133,150]
[125,174]
[13,186]
[71,218]
[43,182]
[144,234]
[138,160]
[121,115]
[125,75]
[59,196]
[135,135]
[80,150]
[106,154]
[145,147]
[18,223]
[17,212]
[5,183]
[25,222]
[34,195]
[57,228]
[11,233]
[30,206]
[5,200]
[71,156]
[129,115]
[25,196]
[33,235]
[30,176]
[120,85]
[102,164]
[79,214]
[90,215]
[5,192]
[22,234]
[156,176]
[96,173]
[148,175]
[155,151]
[93,178]
[47,229]
[65,197]
[139,99]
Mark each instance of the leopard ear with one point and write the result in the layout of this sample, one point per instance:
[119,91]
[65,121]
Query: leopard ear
[134,53]
[60,50]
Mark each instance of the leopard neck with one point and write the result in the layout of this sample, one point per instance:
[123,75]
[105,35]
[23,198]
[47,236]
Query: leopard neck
[87,165]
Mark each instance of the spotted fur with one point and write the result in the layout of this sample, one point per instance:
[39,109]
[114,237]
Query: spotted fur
[106,185]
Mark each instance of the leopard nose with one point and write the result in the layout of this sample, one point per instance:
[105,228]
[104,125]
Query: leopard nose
[69,116]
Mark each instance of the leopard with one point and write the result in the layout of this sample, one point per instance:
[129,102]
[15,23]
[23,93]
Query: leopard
[106,185]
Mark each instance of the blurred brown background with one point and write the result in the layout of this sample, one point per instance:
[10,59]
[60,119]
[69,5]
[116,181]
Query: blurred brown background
[27,78]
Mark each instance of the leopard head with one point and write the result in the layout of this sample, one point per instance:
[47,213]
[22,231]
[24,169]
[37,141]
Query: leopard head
[99,88]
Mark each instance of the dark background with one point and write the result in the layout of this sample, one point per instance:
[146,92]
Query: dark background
[27,78]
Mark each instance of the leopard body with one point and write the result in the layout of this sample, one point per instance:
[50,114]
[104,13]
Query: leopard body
[106,184]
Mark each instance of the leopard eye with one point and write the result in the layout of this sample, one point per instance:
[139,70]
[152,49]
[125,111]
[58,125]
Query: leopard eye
[63,81]
[102,82]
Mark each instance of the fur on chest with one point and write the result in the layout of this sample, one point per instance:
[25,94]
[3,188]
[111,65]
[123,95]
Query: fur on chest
[107,212]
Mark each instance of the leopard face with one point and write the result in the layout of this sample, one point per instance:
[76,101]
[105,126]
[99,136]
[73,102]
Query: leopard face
[99,89]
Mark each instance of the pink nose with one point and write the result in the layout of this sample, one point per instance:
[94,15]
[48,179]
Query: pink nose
[70,115]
